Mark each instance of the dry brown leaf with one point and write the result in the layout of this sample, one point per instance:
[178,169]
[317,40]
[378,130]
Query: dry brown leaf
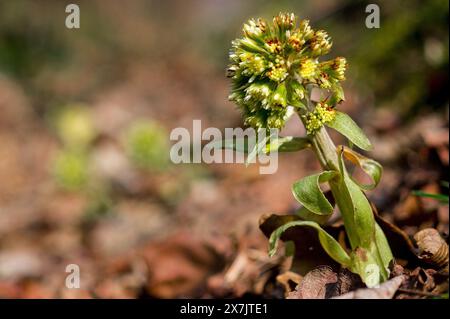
[317,284]
[432,248]
[180,265]
[288,278]
[386,290]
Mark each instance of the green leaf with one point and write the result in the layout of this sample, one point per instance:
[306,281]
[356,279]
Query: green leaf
[276,144]
[367,264]
[289,248]
[307,191]
[306,214]
[363,222]
[440,197]
[288,144]
[371,253]
[363,215]
[258,149]
[372,263]
[383,247]
[245,145]
[329,244]
[368,165]
[337,95]
[239,144]
[347,127]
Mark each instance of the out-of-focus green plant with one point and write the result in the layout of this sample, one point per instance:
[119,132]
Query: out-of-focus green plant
[100,205]
[274,68]
[75,126]
[71,170]
[147,146]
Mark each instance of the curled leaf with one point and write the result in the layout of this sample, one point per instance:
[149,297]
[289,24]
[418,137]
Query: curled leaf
[307,248]
[329,244]
[371,167]
[347,127]
[306,214]
[432,247]
[307,191]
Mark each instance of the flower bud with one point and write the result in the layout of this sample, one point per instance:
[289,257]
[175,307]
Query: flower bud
[252,64]
[258,92]
[277,73]
[320,43]
[274,46]
[283,22]
[335,69]
[339,66]
[295,92]
[255,30]
[296,41]
[321,115]
[279,97]
[308,69]
[250,45]
[305,30]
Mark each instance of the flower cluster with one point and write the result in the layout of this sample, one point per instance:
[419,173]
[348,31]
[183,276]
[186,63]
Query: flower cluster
[272,64]
[321,115]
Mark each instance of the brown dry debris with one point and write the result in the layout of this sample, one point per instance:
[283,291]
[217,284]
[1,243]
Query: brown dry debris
[323,282]
[386,290]
[432,248]
[180,266]
[316,284]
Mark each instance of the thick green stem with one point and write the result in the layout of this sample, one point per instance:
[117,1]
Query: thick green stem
[325,150]
[370,251]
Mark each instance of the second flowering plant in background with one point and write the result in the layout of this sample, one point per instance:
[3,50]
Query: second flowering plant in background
[274,68]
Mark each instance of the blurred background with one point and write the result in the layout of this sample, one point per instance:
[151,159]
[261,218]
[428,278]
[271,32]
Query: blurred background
[85,117]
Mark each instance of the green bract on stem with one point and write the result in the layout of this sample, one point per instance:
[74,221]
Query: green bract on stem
[274,68]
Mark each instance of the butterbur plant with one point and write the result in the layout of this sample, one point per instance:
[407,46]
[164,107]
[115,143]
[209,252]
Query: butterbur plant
[274,68]
[146,145]
[75,129]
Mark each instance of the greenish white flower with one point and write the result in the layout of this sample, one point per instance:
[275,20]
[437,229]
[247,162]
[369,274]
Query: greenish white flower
[320,43]
[271,65]
[308,69]
[321,115]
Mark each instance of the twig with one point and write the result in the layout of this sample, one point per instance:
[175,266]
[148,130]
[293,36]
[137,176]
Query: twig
[416,292]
